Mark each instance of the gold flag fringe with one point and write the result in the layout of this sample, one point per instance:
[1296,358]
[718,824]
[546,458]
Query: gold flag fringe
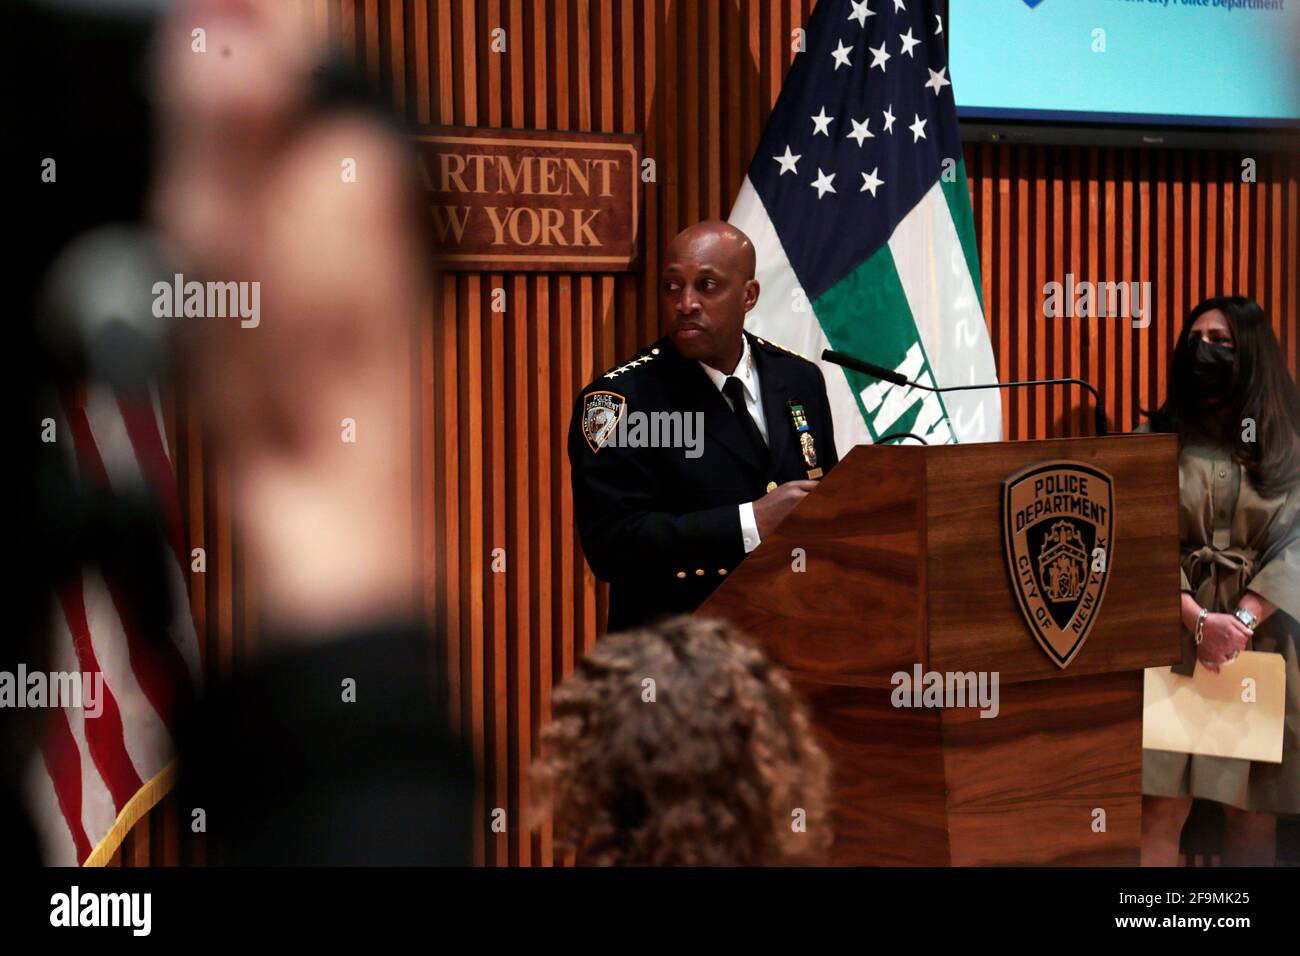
[145,799]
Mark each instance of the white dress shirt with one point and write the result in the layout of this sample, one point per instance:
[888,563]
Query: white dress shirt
[748,375]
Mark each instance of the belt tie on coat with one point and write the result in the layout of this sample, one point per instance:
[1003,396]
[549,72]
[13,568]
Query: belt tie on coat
[1223,574]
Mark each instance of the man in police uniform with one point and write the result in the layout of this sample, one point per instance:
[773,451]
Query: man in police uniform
[665,525]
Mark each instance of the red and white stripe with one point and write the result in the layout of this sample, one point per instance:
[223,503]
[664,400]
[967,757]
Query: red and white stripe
[90,768]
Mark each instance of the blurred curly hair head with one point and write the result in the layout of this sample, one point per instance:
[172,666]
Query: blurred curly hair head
[710,772]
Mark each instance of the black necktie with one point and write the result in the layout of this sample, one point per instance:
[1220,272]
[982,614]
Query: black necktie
[735,391]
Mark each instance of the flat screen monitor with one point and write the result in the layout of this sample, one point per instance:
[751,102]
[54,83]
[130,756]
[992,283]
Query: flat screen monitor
[1041,68]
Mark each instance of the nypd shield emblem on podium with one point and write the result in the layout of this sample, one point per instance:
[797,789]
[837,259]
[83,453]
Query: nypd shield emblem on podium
[1058,527]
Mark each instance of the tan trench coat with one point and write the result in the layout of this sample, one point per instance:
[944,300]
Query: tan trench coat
[1234,540]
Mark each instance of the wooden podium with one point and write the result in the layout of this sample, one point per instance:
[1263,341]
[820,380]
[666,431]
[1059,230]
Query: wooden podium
[904,556]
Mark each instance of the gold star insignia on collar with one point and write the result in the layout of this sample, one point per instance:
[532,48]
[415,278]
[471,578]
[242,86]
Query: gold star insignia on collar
[641,360]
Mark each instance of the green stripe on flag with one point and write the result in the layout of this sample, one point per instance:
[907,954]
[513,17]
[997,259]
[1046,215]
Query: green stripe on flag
[867,314]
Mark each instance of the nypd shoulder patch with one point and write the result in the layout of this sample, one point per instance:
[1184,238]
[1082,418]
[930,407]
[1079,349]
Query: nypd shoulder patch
[601,412]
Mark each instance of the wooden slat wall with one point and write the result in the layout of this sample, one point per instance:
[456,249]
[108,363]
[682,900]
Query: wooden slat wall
[1182,220]
[494,392]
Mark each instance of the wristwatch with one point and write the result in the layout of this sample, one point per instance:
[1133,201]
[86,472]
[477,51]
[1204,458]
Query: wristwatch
[1245,617]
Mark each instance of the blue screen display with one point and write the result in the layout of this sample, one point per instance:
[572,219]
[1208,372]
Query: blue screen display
[1179,62]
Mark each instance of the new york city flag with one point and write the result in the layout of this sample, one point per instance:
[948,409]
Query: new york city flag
[858,205]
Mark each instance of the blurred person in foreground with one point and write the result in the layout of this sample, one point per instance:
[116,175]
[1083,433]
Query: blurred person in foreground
[1236,412]
[330,746]
[714,764]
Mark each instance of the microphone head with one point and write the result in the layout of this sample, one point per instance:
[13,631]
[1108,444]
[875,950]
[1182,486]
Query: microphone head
[866,368]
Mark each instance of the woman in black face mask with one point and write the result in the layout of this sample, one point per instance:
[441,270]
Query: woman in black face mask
[1236,411]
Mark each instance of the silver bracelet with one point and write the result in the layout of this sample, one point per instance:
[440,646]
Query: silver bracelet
[1200,624]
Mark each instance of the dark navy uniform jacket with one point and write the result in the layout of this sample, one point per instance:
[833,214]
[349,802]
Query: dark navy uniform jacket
[664,528]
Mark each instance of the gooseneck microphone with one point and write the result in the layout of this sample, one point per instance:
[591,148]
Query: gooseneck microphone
[894,378]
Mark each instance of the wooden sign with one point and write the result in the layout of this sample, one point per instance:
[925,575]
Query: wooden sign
[506,200]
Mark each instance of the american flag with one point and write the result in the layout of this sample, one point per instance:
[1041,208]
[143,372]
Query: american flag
[857,203]
[97,775]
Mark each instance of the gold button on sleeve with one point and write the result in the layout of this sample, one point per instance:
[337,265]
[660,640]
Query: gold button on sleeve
[699,572]
[681,574]
[722,571]
[771,487]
